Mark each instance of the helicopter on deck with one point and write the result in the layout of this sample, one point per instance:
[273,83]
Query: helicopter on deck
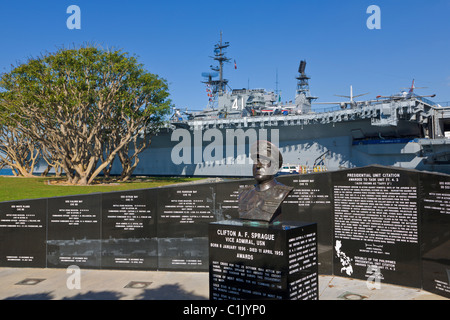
[406,94]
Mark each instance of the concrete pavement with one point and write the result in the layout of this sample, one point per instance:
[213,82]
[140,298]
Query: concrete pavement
[57,284]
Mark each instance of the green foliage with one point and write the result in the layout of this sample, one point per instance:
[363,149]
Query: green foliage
[88,77]
[77,101]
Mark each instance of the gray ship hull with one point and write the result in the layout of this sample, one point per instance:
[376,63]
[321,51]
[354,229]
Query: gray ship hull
[156,161]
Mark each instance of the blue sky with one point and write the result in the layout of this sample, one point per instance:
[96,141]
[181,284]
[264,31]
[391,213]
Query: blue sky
[174,39]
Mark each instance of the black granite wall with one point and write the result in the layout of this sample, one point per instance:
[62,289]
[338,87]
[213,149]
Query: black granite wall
[373,222]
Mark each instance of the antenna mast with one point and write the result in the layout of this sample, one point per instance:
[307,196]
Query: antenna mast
[217,87]
[276,83]
[219,56]
[277,92]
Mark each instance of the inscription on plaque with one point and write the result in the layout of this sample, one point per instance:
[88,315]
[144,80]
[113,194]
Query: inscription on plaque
[186,207]
[270,262]
[439,200]
[129,230]
[376,225]
[183,217]
[22,233]
[311,201]
[73,213]
[435,242]
[20,216]
[127,214]
[385,214]
[306,193]
[74,225]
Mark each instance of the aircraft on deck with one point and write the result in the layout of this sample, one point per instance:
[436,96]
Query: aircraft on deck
[406,94]
[352,103]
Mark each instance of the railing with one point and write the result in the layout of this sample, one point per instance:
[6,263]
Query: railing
[328,109]
[443,104]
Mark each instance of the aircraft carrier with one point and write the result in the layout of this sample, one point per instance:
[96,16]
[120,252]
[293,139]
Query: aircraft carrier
[403,130]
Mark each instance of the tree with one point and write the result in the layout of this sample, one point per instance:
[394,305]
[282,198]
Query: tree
[75,102]
[17,150]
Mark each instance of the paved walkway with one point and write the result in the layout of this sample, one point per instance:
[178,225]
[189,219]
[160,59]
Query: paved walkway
[53,284]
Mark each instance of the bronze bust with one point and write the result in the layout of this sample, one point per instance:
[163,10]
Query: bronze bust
[262,202]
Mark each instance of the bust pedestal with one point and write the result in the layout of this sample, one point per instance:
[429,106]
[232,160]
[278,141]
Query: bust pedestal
[261,261]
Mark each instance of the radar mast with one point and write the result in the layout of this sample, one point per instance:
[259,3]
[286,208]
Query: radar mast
[303,96]
[217,87]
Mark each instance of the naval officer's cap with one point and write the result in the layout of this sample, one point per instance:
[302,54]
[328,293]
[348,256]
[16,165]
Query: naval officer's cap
[265,150]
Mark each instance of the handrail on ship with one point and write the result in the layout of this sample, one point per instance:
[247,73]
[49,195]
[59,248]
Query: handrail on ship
[425,100]
[444,104]
[328,109]
[326,112]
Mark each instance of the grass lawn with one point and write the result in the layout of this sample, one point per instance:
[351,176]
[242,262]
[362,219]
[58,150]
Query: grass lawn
[15,188]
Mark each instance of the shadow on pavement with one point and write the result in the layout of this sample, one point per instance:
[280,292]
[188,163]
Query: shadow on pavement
[164,292]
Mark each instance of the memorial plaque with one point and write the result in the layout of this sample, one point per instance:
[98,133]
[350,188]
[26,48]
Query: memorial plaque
[23,233]
[311,201]
[129,230]
[184,213]
[435,240]
[376,225]
[257,261]
[73,235]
